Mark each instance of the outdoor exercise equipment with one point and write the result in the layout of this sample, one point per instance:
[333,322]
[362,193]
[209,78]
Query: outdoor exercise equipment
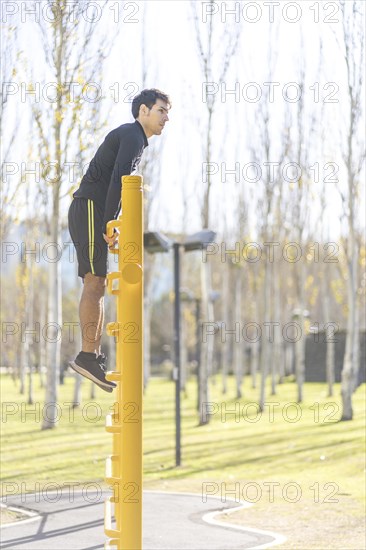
[124,465]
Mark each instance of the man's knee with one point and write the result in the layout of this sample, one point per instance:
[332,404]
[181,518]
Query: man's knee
[94,283]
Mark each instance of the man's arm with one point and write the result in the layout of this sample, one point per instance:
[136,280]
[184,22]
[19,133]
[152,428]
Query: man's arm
[128,150]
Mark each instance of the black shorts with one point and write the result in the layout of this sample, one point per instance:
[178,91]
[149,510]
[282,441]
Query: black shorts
[85,226]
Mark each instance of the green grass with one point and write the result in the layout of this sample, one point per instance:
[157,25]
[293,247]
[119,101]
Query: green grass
[320,456]
[315,448]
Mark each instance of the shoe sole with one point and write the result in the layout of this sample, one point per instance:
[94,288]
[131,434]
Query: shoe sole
[88,375]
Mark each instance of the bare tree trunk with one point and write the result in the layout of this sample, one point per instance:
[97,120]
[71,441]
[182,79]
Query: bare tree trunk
[329,359]
[31,321]
[254,346]
[14,367]
[203,389]
[198,348]
[225,318]
[54,323]
[300,220]
[77,395]
[238,346]
[300,341]
[42,343]
[92,390]
[357,348]
[330,355]
[254,362]
[349,370]
[353,33]
[23,366]
[272,344]
[207,308]
[278,358]
[54,268]
[211,318]
[23,303]
[265,342]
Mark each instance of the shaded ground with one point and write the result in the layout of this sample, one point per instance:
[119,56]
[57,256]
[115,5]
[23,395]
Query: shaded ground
[171,521]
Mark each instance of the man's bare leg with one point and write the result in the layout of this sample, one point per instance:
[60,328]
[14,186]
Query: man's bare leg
[100,329]
[91,312]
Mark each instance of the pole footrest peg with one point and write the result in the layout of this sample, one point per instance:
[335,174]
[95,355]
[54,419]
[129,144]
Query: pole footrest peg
[113,376]
[112,328]
[110,544]
[109,477]
[113,533]
[114,275]
[111,423]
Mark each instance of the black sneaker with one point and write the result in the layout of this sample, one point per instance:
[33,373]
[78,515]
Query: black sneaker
[102,359]
[88,365]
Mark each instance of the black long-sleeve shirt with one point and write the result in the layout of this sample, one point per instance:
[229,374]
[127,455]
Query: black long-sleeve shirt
[118,155]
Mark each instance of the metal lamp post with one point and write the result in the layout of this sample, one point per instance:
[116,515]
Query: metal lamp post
[197,241]
[157,242]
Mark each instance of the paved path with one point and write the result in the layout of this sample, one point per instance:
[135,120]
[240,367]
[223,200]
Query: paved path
[172,521]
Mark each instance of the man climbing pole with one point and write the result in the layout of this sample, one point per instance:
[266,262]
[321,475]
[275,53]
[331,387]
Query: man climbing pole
[96,202]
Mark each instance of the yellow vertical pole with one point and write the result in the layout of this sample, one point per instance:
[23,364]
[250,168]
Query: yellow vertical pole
[124,466]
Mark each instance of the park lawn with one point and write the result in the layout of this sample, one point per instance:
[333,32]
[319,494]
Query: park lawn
[296,463]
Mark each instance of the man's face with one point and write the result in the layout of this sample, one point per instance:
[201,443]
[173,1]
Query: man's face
[155,118]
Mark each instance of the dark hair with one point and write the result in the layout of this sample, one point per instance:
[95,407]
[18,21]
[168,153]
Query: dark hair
[148,98]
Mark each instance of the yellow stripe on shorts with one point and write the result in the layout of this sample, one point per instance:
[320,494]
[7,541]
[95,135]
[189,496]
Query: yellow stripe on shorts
[91,233]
